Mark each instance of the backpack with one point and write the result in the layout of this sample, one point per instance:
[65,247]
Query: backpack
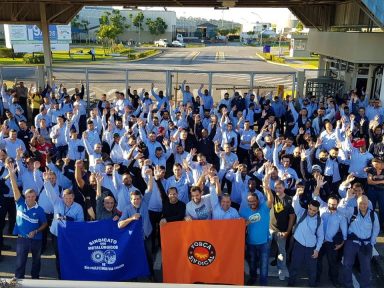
[301,219]
[356,212]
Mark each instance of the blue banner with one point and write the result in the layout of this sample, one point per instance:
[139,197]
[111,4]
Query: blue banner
[100,251]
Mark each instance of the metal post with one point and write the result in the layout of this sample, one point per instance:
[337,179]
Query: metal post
[87,87]
[293,86]
[46,42]
[1,75]
[210,83]
[126,79]
[251,84]
[168,83]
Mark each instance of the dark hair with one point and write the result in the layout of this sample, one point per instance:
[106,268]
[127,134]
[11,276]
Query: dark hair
[196,188]
[315,203]
[135,193]
[173,188]
[334,197]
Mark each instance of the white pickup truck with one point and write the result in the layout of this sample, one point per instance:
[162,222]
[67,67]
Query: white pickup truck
[161,43]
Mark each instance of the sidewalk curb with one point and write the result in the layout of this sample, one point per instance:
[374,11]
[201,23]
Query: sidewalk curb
[271,62]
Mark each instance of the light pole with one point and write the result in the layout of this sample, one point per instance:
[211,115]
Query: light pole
[261,38]
[139,33]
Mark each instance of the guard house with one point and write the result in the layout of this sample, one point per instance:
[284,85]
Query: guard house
[355,58]
[207,30]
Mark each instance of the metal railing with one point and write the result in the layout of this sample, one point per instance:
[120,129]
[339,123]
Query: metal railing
[99,81]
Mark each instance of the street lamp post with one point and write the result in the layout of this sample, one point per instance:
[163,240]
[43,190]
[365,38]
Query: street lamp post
[261,38]
[280,44]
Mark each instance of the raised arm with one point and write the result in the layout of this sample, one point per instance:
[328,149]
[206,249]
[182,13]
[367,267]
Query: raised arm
[12,176]
[78,177]
[266,185]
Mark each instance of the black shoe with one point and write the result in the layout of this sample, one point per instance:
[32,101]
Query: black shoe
[251,281]
[336,284]
[274,262]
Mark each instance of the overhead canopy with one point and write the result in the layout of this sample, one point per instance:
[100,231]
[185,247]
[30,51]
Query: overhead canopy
[320,14]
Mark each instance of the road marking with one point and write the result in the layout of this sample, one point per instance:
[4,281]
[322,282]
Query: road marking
[192,56]
[220,56]
[195,56]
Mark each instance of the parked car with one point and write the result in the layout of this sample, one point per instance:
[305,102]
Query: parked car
[161,43]
[177,43]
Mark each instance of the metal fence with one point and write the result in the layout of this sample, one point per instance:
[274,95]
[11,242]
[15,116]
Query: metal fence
[99,81]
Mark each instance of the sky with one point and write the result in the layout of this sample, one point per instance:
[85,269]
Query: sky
[245,16]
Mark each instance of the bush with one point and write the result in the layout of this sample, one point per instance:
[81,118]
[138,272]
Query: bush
[33,59]
[6,53]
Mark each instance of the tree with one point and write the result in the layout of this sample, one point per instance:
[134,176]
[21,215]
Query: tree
[156,27]
[138,20]
[112,24]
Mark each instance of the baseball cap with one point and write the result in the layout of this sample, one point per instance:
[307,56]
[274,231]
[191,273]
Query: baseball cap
[316,168]
[359,143]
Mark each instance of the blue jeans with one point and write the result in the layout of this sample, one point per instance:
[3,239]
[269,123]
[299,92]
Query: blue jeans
[258,253]
[23,246]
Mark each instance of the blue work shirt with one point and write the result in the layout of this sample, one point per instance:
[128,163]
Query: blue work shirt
[130,210]
[218,213]
[28,219]
[307,233]
[75,211]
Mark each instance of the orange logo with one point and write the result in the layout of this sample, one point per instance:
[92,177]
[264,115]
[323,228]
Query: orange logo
[201,253]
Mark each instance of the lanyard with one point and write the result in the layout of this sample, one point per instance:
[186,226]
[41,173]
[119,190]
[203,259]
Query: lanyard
[66,211]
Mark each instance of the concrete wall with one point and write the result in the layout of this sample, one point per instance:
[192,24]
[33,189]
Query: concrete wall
[351,47]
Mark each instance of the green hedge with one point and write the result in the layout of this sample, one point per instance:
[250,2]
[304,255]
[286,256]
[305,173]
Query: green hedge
[139,55]
[33,59]
[8,53]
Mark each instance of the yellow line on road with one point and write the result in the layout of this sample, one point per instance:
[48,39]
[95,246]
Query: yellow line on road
[220,56]
[195,55]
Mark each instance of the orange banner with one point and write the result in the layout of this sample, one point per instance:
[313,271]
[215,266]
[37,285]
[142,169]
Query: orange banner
[203,251]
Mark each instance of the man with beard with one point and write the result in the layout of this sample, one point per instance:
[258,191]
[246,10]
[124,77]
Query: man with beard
[360,158]
[105,204]
[282,219]
[332,172]
[123,185]
[376,148]
[257,217]
[206,98]
[335,233]
[267,144]
[87,185]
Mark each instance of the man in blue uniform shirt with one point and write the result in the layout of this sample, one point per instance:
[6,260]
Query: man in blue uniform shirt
[362,233]
[257,220]
[30,222]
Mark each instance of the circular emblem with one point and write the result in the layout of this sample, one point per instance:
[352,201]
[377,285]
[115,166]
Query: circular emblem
[109,256]
[97,256]
[201,253]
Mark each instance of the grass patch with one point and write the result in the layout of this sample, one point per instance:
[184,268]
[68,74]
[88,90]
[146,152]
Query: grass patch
[10,61]
[194,45]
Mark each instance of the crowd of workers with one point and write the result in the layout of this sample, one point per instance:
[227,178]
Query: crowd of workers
[306,173]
